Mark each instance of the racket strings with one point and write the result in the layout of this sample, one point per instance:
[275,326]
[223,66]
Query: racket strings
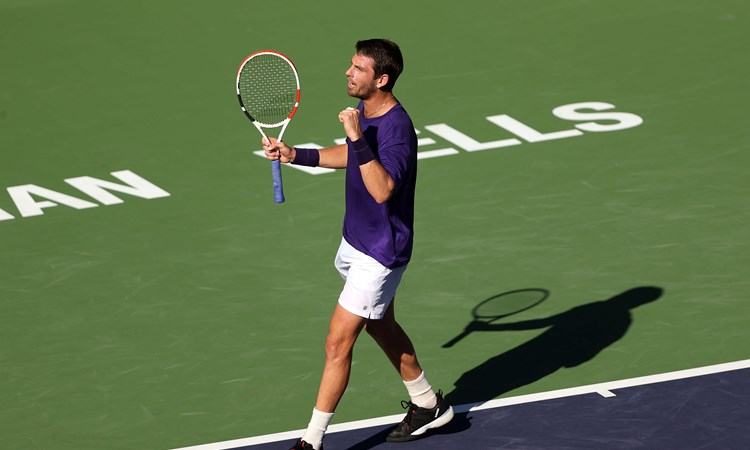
[268,87]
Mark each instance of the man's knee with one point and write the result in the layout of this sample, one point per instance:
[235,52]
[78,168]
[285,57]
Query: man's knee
[338,347]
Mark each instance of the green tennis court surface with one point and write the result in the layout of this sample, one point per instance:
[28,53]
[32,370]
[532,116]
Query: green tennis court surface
[153,296]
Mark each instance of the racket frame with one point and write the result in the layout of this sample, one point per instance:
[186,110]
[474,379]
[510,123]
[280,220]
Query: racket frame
[278,190]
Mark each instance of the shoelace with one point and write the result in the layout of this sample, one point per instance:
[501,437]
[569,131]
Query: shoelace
[412,409]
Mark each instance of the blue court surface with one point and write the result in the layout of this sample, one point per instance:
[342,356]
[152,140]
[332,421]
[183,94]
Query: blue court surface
[705,408]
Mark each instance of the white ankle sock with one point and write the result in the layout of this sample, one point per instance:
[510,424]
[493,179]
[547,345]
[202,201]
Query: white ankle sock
[317,428]
[421,392]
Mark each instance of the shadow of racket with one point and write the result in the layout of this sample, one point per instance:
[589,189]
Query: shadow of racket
[500,306]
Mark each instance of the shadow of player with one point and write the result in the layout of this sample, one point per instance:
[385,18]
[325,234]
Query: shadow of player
[571,338]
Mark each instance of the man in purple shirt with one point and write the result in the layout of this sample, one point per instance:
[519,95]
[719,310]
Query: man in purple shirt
[380,157]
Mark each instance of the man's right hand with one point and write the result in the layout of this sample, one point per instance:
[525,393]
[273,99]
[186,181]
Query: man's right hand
[277,150]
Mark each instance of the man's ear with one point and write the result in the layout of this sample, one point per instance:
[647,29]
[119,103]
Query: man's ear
[382,80]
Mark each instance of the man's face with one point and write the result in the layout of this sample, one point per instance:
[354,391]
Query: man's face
[361,75]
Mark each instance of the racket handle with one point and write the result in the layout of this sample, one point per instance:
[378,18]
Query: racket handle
[278,188]
[455,340]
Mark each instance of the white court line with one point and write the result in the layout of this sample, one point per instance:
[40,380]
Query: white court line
[603,389]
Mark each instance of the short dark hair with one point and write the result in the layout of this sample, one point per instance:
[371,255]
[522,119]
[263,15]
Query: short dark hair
[387,57]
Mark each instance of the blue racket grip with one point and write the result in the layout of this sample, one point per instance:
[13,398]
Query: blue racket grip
[278,188]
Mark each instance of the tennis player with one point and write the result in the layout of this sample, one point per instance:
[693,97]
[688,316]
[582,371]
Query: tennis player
[380,158]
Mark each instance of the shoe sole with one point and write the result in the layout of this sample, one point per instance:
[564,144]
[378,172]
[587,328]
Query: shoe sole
[446,417]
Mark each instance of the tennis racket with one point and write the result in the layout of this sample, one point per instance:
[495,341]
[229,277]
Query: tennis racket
[268,91]
[499,306]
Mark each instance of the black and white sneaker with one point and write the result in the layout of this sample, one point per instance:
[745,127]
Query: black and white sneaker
[302,445]
[419,420]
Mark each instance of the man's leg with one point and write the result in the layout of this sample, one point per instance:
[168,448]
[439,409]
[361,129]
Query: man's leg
[427,410]
[342,334]
[397,346]
[400,351]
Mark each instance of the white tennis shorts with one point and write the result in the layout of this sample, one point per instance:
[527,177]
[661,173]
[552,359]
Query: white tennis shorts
[369,286]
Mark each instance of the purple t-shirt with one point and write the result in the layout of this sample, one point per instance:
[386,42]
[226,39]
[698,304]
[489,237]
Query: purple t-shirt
[384,232]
